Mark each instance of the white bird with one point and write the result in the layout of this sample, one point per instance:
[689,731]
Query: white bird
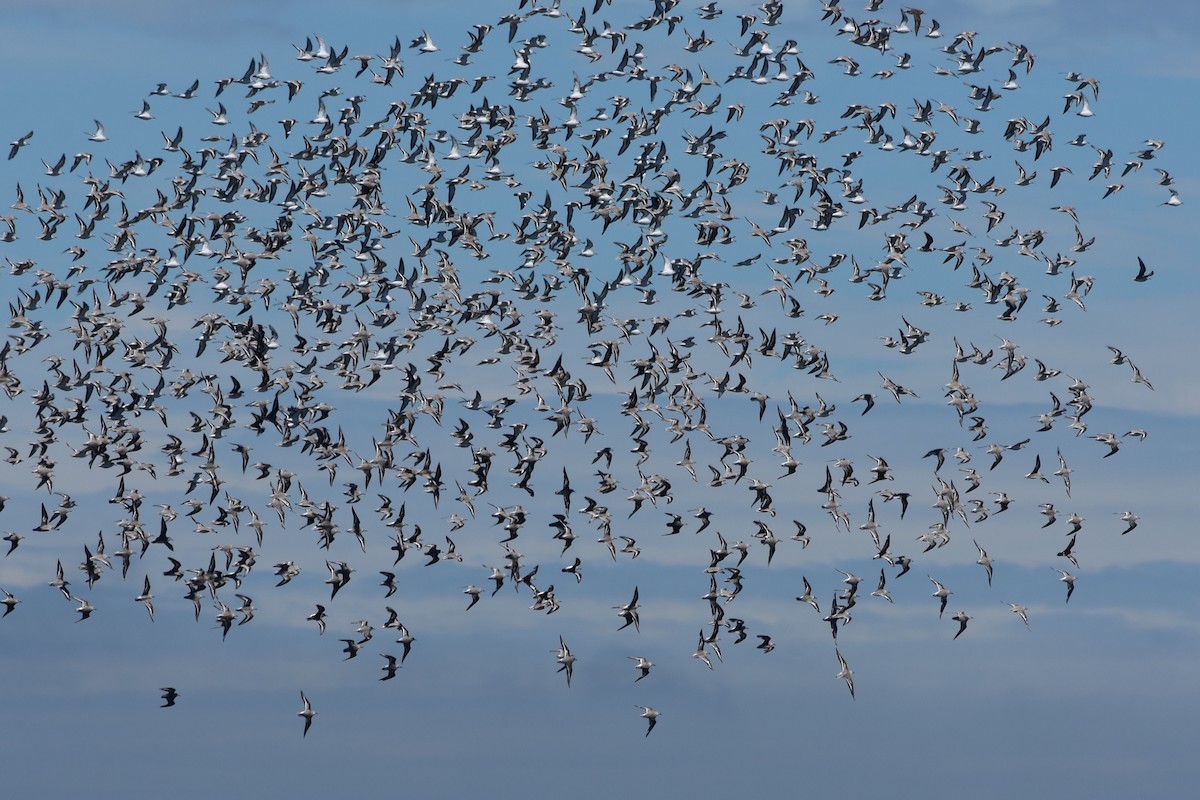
[1069,580]
[306,712]
[984,560]
[85,609]
[1021,612]
[566,659]
[99,135]
[147,598]
[650,714]
[962,618]
[9,602]
[845,673]
[424,43]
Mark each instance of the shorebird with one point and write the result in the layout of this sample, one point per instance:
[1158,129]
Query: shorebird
[318,617]
[961,618]
[146,598]
[1069,580]
[1036,472]
[406,639]
[85,608]
[651,715]
[629,613]
[9,602]
[1110,439]
[1021,612]
[98,135]
[881,588]
[643,664]
[306,712]
[943,595]
[565,659]
[984,560]
[17,144]
[808,596]
[702,651]
[845,673]
[1143,274]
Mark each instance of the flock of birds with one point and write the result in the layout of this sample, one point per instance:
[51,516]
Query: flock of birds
[419,271]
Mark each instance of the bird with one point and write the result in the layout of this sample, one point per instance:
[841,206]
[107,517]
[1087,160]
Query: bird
[1110,439]
[881,588]
[651,715]
[1021,612]
[17,144]
[146,598]
[13,540]
[1069,580]
[60,581]
[1036,472]
[845,673]
[1143,274]
[701,653]
[808,596]
[318,617]
[9,602]
[565,659]
[169,696]
[424,43]
[389,669]
[961,618]
[643,665]
[306,712]
[984,560]
[943,595]
[85,608]
[629,613]
[98,135]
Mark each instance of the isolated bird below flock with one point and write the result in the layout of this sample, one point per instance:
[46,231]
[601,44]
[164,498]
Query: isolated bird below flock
[307,713]
[651,715]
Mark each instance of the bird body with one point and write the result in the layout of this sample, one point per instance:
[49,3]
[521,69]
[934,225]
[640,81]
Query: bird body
[307,713]
[651,715]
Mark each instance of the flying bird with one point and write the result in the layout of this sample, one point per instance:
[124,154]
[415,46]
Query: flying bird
[306,712]
[1143,274]
[1021,612]
[565,659]
[651,715]
[845,673]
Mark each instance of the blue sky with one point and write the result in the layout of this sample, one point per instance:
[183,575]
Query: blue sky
[1091,698]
